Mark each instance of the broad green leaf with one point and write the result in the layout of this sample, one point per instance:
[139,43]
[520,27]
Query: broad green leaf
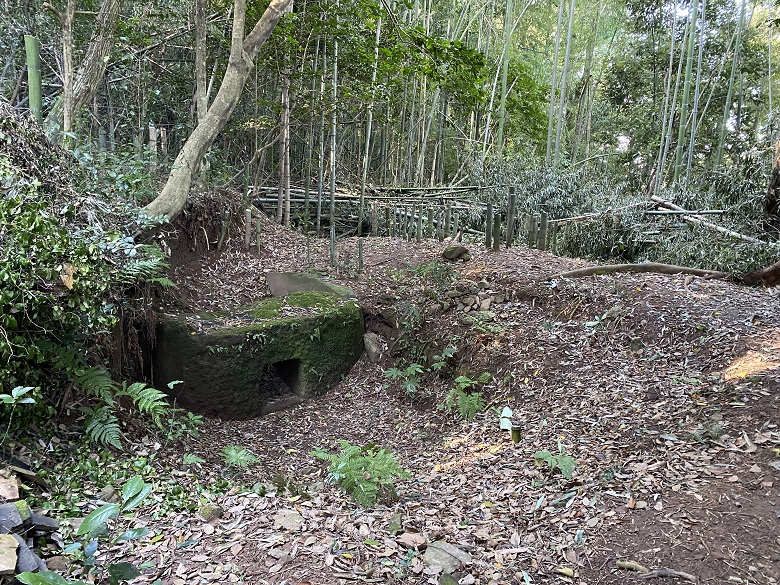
[137,498]
[134,485]
[97,517]
[45,578]
[506,413]
[124,571]
[505,424]
[567,465]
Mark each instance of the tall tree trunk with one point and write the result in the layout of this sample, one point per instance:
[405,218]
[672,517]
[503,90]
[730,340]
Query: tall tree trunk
[283,207]
[92,68]
[67,66]
[683,121]
[243,52]
[32,47]
[333,128]
[696,91]
[201,97]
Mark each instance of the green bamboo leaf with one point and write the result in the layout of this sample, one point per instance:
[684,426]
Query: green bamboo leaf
[98,517]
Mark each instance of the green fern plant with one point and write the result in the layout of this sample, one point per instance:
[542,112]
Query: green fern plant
[146,270]
[364,473]
[238,456]
[103,427]
[148,401]
[467,403]
[97,383]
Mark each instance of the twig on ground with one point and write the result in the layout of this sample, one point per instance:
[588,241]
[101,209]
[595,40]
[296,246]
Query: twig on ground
[669,573]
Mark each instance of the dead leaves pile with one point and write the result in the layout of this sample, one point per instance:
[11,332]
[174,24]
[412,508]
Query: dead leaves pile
[665,449]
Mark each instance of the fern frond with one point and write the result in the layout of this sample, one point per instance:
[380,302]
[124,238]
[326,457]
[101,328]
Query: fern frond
[103,428]
[148,401]
[470,404]
[142,270]
[97,382]
[362,472]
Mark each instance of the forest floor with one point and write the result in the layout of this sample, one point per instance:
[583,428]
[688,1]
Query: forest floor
[663,389]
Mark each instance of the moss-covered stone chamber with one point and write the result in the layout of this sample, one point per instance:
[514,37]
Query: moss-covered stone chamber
[260,357]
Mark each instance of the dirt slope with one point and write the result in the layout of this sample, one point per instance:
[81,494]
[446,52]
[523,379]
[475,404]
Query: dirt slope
[663,389]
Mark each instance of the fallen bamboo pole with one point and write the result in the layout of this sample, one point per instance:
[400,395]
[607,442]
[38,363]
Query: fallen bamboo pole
[705,224]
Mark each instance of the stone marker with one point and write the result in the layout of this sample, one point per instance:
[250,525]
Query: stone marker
[373,345]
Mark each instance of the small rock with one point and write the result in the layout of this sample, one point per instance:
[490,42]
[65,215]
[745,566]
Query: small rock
[8,546]
[432,310]
[210,512]
[446,305]
[483,284]
[26,560]
[9,488]
[373,344]
[445,555]
[453,294]
[455,252]
[44,523]
[108,494]
[58,564]
[467,320]
[485,304]
[499,298]
[14,515]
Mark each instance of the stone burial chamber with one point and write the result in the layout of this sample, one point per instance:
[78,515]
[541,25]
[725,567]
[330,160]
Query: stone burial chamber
[262,357]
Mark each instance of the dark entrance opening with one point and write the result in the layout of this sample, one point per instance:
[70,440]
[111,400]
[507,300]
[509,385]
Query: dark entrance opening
[280,379]
[290,373]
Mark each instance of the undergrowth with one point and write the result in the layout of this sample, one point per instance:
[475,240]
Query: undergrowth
[366,473]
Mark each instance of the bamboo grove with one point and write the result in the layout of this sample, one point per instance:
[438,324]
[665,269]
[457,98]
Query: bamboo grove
[415,93]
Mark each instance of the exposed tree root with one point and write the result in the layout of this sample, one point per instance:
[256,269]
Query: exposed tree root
[769,276]
[643,267]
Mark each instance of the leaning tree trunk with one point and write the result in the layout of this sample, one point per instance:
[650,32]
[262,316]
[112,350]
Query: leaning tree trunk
[90,72]
[243,52]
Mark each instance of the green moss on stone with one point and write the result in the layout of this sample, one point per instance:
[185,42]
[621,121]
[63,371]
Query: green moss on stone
[222,365]
[24,510]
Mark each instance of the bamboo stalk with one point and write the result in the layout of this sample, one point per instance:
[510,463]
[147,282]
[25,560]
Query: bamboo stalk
[706,224]
[32,48]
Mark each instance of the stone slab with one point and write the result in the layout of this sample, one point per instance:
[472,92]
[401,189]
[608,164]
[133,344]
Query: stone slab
[287,283]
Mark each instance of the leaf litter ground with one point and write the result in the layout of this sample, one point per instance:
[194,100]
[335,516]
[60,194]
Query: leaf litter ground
[664,389]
